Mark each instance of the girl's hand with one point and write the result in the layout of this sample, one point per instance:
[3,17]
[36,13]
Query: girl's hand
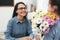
[27,38]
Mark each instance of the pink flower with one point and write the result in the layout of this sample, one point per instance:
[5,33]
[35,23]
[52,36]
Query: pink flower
[49,20]
[47,30]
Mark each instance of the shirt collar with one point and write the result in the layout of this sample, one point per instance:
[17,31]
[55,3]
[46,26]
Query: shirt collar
[17,21]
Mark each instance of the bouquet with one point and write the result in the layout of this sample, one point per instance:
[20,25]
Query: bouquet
[41,22]
[49,19]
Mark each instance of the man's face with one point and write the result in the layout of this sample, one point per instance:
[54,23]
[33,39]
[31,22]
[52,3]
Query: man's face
[52,8]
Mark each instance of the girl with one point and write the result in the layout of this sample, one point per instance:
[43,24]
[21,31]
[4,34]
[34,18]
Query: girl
[19,25]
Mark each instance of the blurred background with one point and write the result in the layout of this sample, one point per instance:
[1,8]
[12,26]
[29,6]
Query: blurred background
[6,11]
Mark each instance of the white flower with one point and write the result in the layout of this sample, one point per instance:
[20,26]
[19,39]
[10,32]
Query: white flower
[44,25]
[38,21]
[33,14]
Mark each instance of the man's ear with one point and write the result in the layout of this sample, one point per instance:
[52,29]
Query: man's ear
[55,8]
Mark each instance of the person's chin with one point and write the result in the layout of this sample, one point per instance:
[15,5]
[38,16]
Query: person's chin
[24,15]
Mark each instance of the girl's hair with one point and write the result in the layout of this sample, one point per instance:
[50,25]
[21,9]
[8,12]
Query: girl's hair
[15,9]
[56,3]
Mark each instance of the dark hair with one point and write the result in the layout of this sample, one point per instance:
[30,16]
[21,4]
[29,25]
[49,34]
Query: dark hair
[56,3]
[15,9]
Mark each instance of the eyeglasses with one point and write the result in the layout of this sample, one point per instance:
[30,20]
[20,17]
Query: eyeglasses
[22,8]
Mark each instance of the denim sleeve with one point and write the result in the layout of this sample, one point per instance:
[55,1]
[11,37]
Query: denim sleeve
[30,32]
[51,34]
[8,31]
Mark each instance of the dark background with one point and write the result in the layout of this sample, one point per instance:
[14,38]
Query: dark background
[6,2]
